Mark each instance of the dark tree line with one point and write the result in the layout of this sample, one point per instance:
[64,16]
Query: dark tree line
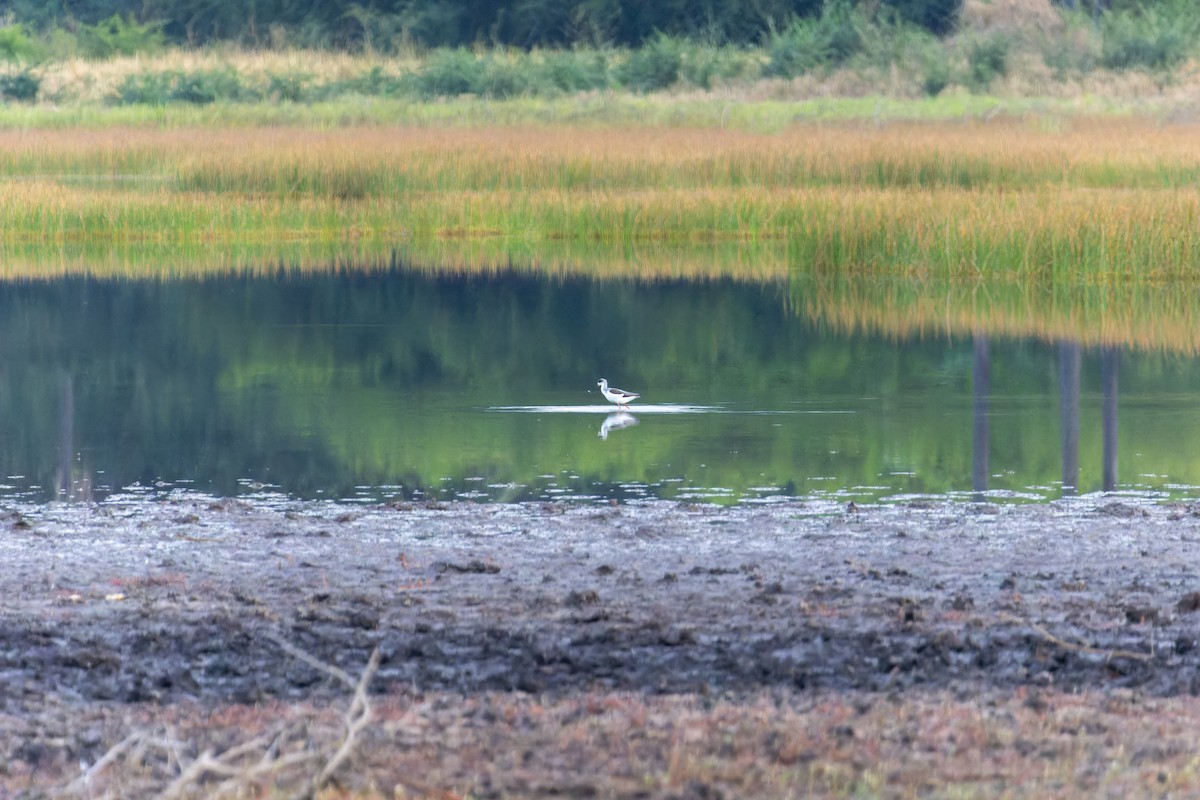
[519,23]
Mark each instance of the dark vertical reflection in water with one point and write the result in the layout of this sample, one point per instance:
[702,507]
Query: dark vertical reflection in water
[981,386]
[1108,380]
[1068,413]
[66,433]
[71,479]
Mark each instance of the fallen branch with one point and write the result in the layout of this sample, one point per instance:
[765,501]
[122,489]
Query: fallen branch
[240,767]
[75,787]
[1078,647]
[357,716]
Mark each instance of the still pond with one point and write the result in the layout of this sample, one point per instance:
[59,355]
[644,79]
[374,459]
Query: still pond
[392,383]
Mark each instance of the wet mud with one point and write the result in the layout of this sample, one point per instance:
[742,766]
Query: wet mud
[177,600]
[185,600]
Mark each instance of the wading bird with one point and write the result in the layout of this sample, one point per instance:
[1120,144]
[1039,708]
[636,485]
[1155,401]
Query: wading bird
[619,396]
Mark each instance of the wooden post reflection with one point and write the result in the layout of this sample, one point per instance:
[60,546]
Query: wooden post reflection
[980,386]
[1108,380]
[1068,413]
[66,434]
[70,483]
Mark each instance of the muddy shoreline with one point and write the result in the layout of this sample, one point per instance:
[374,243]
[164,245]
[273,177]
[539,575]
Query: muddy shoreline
[177,603]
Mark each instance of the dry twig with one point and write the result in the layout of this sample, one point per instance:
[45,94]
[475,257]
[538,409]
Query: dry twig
[245,764]
[1078,647]
[357,717]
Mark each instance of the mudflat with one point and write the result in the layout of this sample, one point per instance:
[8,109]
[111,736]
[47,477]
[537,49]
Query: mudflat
[193,646]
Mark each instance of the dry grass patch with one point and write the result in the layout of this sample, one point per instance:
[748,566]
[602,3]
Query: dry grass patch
[98,80]
[1031,743]
[1009,15]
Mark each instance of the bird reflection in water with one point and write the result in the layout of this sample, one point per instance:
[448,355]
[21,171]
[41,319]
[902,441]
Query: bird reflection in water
[614,422]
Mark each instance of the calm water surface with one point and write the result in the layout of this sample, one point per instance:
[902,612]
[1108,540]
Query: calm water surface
[401,385]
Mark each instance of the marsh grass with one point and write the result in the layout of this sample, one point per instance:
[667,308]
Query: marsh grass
[956,210]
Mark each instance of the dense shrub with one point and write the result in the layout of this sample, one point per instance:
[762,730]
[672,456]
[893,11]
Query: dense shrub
[706,65]
[200,87]
[935,70]
[794,51]
[291,87]
[825,41]
[372,83]
[502,78]
[15,45]
[936,16]
[885,39]
[455,72]
[449,73]
[987,59]
[207,86]
[151,88]
[874,37]
[385,25]
[119,36]
[20,86]
[574,70]
[1149,40]
[1073,52]
[656,65]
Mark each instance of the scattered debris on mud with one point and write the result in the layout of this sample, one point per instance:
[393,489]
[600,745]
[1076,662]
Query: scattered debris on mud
[651,649]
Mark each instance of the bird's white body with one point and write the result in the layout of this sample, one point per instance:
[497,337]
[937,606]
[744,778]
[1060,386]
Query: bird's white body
[619,396]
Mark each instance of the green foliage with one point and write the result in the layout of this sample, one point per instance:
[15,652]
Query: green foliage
[375,82]
[574,70]
[886,39]
[15,46]
[21,86]
[706,65]
[149,88]
[379,32]
[806,44]
[987,59]
[1149,39]
[503,78]
[656,65]
[872,37]
[386,26]
[291,87]
[935,69]
[450,72]
[794,51]
[936,16]
[119,35]
[199,87]
[207,86]
[1073,52]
